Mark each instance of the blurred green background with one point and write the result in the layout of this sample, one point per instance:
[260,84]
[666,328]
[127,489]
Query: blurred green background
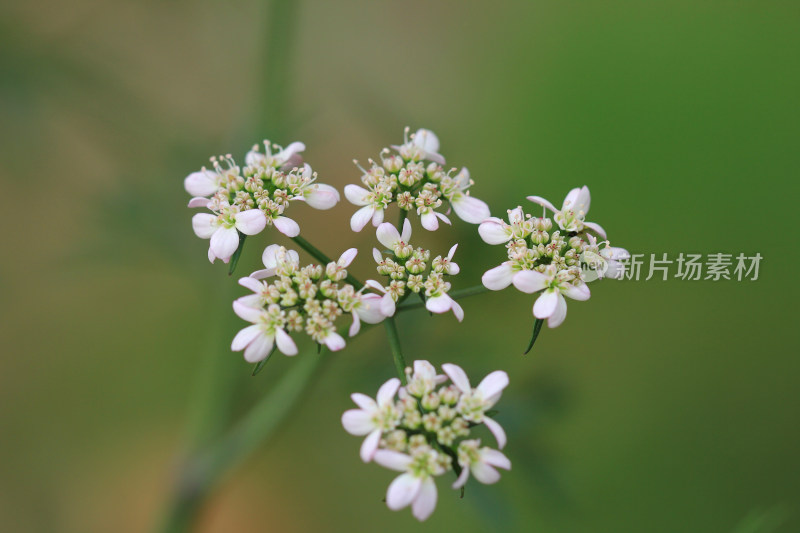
[657,406]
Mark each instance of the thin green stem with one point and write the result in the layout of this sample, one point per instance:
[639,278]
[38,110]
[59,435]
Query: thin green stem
[394,344]
[455,295]
[403,216]
[324,259]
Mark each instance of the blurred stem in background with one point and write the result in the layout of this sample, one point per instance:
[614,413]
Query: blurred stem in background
[208,454]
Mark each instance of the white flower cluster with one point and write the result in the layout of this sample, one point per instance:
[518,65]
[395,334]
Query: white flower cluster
[556,260]
[247,199]
[410,270]
[424,430]
[415,179]
[308,298]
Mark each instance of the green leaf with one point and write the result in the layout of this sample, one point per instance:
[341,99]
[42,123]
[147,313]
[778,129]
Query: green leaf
[260,364]
[537,327]
[237,254]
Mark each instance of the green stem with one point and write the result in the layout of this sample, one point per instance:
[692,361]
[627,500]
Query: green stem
[203,470]
[455,295]
[403,216]
[394,344]
[324,259]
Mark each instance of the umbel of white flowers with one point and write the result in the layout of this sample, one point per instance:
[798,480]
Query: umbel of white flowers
[410,270]
[309,298]
[247,200]
[555,260]
[415,179]
[424,430]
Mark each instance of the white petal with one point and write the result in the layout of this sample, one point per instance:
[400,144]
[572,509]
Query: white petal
[289,151]
[347,257]
[439,304]
[392,460]
[424,369]
[544,203]
[387,391]
[376,255]
[263,273]
[203,225]
[355,327]
[429,220]
[497,431]
[458,311]
[494,231]
[364,401]
[358,422]
[322,196]
[458,376]
[224,242]
[427,140]
[485,473]
[570,199]
[425,502]
[495,458]
[453,269]
[202,183]
[406,235]
[246,312]
[388,306]
[377,216]
[577,292]
[462,478]
[361,217]
[370,309]
[198,202]
[244,337]
[356,195]
[559,314]
[493,384]
[370,446]
[268,256]
[251,300]
[388,235]
[530,281]
[259,349]
[334,342]
[443,218]
[546,304]
[287,226]
[402,491]
[285,343]
[470,209]
[597,228]
[498,278]
[251,221]
[254,157]
[251,283]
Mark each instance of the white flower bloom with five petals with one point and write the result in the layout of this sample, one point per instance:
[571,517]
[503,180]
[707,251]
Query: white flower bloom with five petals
[373,418]
[223,229]
[554,286]
[475,402]
[482,462]
[572,215]
[415,486]
[258,340]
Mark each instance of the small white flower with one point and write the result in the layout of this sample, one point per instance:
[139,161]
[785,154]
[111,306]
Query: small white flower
[423,379]
[202,184]
[494,230]
[482,462]
[223,229]
[258,340]
[373,417]
[415,486]
[277,258]
[424,144]
[475,402]
[555,285]
[602,263]
[373,208]
[389,236]
[387,305]
[572,216]
[316,195]
[429,219]
[443,303]
[288,157]
[468,208]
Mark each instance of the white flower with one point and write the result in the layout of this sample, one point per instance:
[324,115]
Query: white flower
[482,462]
[424,378]
[415,486]
[602,263]
[316,195]
[288,157]
[202,184]
[372,202]
[429,219]
[223,229]
[424,144]
[572,216]
[555,285]
[475,402]
[373,417]
[468,208]
[258,340]
[495,231]
[389,236]
[276,259]
[387,305]
[443,303]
